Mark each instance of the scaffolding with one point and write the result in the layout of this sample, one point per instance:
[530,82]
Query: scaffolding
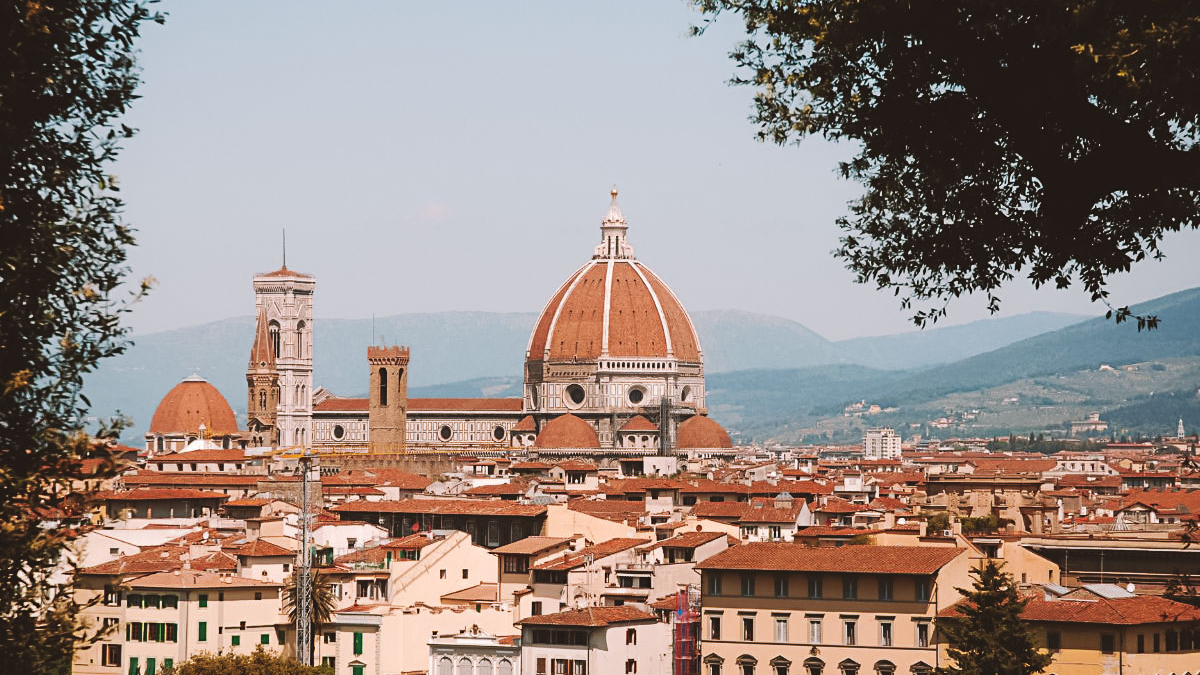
[686,625]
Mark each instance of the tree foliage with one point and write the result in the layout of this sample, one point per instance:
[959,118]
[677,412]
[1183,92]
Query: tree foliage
[259,662]
[989,637]
[1059,139]
[67,74]
[323,602]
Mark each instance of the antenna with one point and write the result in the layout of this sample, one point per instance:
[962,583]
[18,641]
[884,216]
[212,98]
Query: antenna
[285,248]
[373,328]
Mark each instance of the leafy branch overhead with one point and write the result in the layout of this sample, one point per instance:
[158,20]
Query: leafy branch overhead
[1057,139]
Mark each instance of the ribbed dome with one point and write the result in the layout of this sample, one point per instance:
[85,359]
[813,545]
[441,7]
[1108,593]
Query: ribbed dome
[567,431]
[699,431]
[614,306]
[191,403]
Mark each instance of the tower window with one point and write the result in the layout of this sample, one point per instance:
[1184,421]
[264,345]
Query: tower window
[274,330]
[300,340]
[383,386]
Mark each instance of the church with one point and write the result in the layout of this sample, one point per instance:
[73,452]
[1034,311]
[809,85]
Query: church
[613,366]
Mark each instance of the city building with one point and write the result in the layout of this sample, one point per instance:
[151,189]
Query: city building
[881,443]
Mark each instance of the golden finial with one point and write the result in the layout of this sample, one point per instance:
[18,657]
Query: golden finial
[614,192]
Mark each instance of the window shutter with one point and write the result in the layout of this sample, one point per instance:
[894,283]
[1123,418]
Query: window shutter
[202,631]
[358,646]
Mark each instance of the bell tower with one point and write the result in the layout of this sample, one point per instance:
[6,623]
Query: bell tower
[284,299]
[388,407]
[262,385]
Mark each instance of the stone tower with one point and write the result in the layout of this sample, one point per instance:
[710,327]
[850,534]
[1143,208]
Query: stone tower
[262,387]
[284,298]
[389,398]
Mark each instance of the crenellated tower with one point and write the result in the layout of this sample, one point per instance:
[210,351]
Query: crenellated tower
[284,301]
[388,406]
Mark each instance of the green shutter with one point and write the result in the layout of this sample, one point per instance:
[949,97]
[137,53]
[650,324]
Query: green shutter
[264,639]
[281,637]
[357,644]
[204,600]
[235,640]
[150,666]
[172,632]
[356,670]
[202,631]
[168,663]
[133,667]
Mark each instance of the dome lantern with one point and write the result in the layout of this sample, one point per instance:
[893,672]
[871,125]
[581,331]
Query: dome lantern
[613,244]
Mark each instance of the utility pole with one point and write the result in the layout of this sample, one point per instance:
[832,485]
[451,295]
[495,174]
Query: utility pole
[304,608]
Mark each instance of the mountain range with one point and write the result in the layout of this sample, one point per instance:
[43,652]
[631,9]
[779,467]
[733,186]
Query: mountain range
[769,377]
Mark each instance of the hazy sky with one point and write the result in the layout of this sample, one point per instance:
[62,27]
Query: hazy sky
[458,156]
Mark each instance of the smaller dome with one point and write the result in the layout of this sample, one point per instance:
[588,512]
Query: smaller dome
[567,431]
[526,424]
[638,423]
[192,403]
[699,431]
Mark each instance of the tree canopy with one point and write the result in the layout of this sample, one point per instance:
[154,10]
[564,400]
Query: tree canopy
[67,74]
[259,662]
[1052,138]
[989,637]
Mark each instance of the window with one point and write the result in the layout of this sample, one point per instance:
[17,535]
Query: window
[170,601]
[885,633]
[112,597]
[1107,643]
[535,608]
[484,667]
[264,639]
[781,585]
[1141,644]
[441,574]
[814,631]
[848,667]
[258,595]
[329,662]
[541,667]
[361,670]
[133,666]
[849,588]
[110,655]
[358,643]
[774,532]
[748,628]
[329,637]
[168,663]
[714,668]
[516,564]
[714,583]
[815,588]
[1054,640]
[464,666]
[1172,640]
[746,664]
[133,600]
[922,590]
[781,629]
[466,573]
[202,631]
[850,632]
[714,628]
[235,640]
[1154,642]
[885,588]
[383,386]
[505,667]
[630,636]
[922,633]
[241,625]
[203,599]
[813,666]
[172,632]
[281,637]
[630,666]
[747,585]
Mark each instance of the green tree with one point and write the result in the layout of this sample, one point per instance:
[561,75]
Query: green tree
[988,635]
[323,602]
[259,662]
[1059,139]
[67,74]
[938,522]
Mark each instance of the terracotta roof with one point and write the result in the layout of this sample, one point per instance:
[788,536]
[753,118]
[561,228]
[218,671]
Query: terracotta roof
[196,579]
[773,556]
[161,559]
[410,542]
[638,423]
[186,478]
[453,507]
[466,404]
[607,506]
[577,465]
[720,509]
[531,545]
[590,616]
[832,531]
[526,424]
[539,466]
[570,561]
[1011,466]
[840,506]
[188,405]
[248,502]
[686,540]
[262,353]
[285,272]
[501,489]
[1138,610]
[339,404]
[699,431]
[483,592]
[157,494]
[232,455]
[573,322]
[261,548]
[769,515]
[567,431]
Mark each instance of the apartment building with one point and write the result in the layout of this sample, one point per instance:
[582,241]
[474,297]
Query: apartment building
[600,640]
[784,608]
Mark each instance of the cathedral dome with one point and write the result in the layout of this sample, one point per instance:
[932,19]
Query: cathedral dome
[614,307]
[699,431]
[567,431]
[191,403]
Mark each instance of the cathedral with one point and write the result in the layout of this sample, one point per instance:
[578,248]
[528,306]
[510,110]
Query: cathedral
[613,366]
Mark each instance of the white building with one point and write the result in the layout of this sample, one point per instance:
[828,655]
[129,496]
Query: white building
[601,640]
[881,443]
[474,651]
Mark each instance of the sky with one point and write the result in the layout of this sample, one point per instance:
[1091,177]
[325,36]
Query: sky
[428,157]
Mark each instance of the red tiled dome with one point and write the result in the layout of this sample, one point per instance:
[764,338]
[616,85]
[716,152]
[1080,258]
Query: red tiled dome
[638,423]
[699,431]
[567,431]
[188,405]
[645,319]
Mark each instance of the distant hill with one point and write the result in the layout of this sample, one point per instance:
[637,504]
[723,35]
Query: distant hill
[481,354]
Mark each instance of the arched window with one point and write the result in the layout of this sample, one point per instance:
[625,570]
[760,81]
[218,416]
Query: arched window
[300,340]
[780,666]
[445,666]
[849,667]
[921,668]
[745,664]
[464,666]
[383,386]
[484,667]
[813,666]
[712,664]
[273,328]
[262,399]
[505,667]
[885,668]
